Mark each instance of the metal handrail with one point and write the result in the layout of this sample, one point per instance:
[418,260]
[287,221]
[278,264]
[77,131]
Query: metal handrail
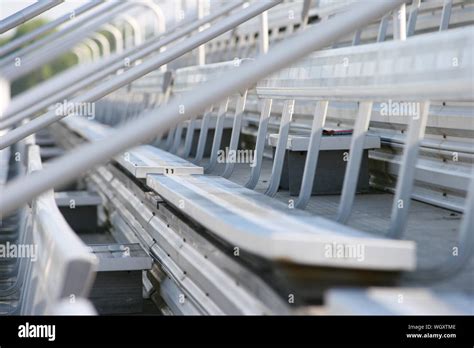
[50,49]
[140,70]
[49,40]
[60,87]
[26,14]
[17,43]
[118,37]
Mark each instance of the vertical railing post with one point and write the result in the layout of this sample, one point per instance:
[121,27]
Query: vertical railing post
[351,176]
[4,95]
[263,32]
[400,23]
[406,176]
[446,15]
[280,150]
[118,37]
[201,51]
[312,154]
[260,144]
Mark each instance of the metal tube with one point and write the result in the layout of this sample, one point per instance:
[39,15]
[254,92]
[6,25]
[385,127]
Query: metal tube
[305,13]
[138,36]
[82,53]
[236,129]
[413,17]
[204,126]
[46,53]
[86,55]
[139,70]
[280,150]
[49,48]
[446,15]
[86,52]
[160,23]
[106,10]
[127,34]
[79,55]
[400,23]
[85,157]
[94,48]
[118,37]
[312,155]
[48,41]
[260,143]
[60,87]
[351,174]
[104,41]
[201,51]
[17,43]
[406,176]
[382,29]
[4,98]
[27,13]
[218,130]
[263,32]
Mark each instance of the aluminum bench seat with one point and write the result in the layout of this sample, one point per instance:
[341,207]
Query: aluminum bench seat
[139,161]
[87,129]
[118,288]
[264,226]
[121,257]
[81,198]
[147,159]
[79,307]
[297,142]
[228,121]
[64,267]
[397,301]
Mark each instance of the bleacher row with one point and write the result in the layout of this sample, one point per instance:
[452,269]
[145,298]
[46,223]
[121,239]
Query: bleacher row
[252,220]
[443,169]
[192,209]
[285,20]
[45,268]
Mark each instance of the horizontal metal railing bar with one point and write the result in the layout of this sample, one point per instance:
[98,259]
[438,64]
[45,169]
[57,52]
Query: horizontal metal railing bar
[49,49]
[46,49]
[22,40]
[27,13]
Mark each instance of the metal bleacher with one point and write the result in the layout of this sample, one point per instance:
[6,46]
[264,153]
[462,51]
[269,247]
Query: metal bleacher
[193,159]
[50,264]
